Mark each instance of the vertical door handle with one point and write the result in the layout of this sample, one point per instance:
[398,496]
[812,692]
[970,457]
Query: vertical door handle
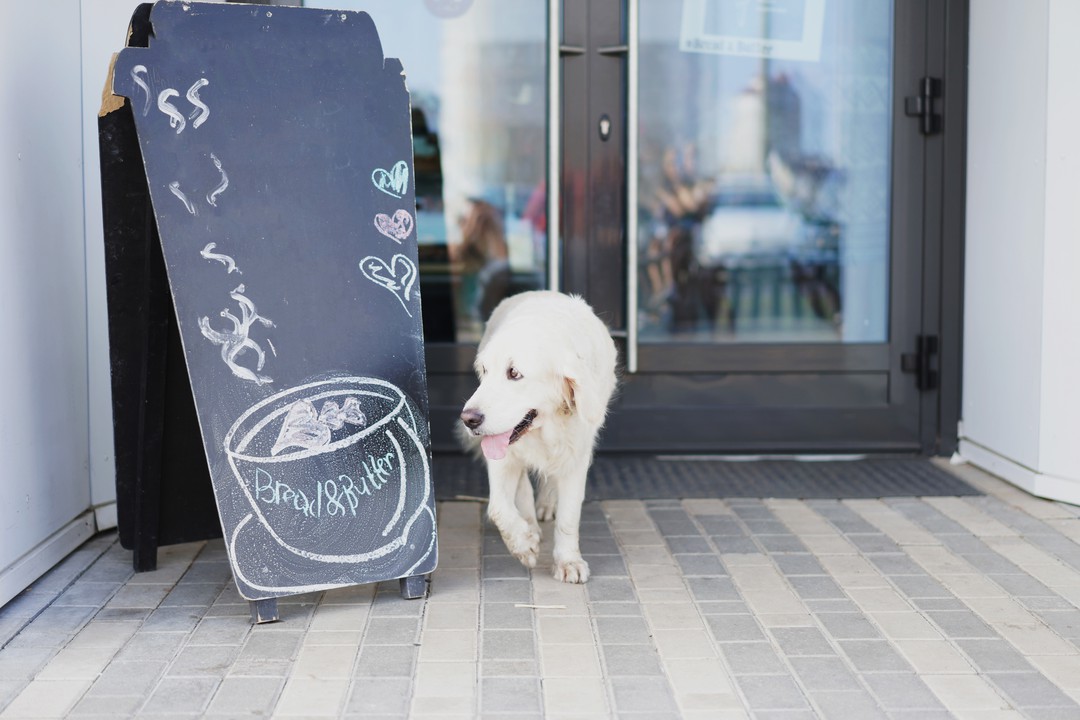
[554,170]
[631,185]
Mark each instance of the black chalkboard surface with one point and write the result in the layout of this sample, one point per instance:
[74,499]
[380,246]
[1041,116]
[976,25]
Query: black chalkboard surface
[277,148]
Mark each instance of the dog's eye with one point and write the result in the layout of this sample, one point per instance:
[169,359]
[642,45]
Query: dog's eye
[512,373]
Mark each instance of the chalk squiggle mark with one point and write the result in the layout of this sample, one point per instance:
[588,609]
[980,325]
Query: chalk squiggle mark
[211,197]
[142,83]
[228,262]
[236,341]
[174,188]
[176,120]
[200,107]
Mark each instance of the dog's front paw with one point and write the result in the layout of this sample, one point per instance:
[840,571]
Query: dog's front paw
[572,571]
[525,547]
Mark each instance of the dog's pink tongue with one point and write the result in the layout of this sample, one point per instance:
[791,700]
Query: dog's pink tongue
[494,446]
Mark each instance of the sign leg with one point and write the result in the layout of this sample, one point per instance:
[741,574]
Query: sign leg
[414,587]
[264,611]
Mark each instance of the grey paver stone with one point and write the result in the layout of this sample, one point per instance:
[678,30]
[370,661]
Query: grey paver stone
[62,619]
[263,644]
[602,590]
[507,644]
[599,546]
[812,587]
[510,668]
[874,656]
[771,692]
[22,663]
[507,616]
[606,566]
[180,695]
[151,646]
[921,586]
[1022,585]
[622,660]
[617,630]
[392,630]
[1065,623]
[246,695]
[896,565]
[849,706]
[644,694]
[729,628]
[682,544]
[384,695]
[605,609]
[831,606]
[94,594]
[752,658]
[996,655]
[213,660]
[674,522]
[1031,690]
[128,678]
[708,565]
[386,661]
[787,543]
[506,590]
[504,566]
[721,525]
[595,529]
[798,641]
[766,527]
[824,673]
[798,565]
[199,594]
[225,630]
[848,626]
[713,588]
[901,690]
[499,694]
[173,619]
[735,545]
[929,604]
[874,543]
[113,706]
[961,624]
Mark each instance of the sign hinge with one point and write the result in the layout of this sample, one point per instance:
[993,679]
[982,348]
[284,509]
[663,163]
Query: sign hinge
[922,106]
[923,362]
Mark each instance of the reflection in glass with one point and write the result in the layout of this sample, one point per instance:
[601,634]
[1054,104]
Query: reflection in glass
[476,72]
[764,170]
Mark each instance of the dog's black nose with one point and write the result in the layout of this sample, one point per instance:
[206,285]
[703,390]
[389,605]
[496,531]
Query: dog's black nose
[472,418]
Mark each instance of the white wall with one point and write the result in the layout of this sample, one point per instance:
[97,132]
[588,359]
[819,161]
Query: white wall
[44,479]
[1021,344]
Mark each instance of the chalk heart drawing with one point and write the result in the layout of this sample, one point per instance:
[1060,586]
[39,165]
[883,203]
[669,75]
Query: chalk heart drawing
[393,182]
[397,228]
[398,276]
[353,498]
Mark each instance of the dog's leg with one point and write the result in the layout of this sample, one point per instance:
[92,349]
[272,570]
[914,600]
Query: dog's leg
[526,505]
[546,500]
[504,478]
[569,565]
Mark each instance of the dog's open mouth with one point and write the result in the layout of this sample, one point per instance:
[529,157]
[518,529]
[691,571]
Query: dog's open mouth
[495,446]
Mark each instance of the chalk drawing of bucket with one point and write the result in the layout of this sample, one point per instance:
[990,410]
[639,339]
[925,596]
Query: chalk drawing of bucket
[355,497]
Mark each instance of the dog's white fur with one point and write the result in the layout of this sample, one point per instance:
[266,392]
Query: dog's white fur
[565,358]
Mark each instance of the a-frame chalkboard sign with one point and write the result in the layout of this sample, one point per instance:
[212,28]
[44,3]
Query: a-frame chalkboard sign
[276,145]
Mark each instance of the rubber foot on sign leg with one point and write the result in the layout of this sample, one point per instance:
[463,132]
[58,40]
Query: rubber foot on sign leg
[263,611]
[414,587]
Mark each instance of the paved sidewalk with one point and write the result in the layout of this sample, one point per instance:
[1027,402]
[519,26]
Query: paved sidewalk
[766,609]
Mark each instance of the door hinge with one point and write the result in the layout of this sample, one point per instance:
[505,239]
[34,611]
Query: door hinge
[923,362]
[922,106]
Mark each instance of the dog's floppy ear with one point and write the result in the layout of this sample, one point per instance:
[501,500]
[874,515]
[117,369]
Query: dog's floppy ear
[582,394]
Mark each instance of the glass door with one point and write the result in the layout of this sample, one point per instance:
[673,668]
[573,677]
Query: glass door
[732,184]
[774,239]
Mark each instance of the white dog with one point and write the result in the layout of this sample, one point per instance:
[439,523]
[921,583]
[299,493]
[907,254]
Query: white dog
[546,366]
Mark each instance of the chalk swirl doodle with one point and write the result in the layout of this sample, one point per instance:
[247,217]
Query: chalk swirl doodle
[234,342]
[176,120]
[211,197]
[393,182]
[201,109]
[398,276]
[397,228]
[174,188]
[228,262]
[142,83]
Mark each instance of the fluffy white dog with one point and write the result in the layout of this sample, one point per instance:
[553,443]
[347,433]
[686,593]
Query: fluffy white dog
[546,366]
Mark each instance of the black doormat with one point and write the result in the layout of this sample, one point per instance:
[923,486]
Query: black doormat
[645,477]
